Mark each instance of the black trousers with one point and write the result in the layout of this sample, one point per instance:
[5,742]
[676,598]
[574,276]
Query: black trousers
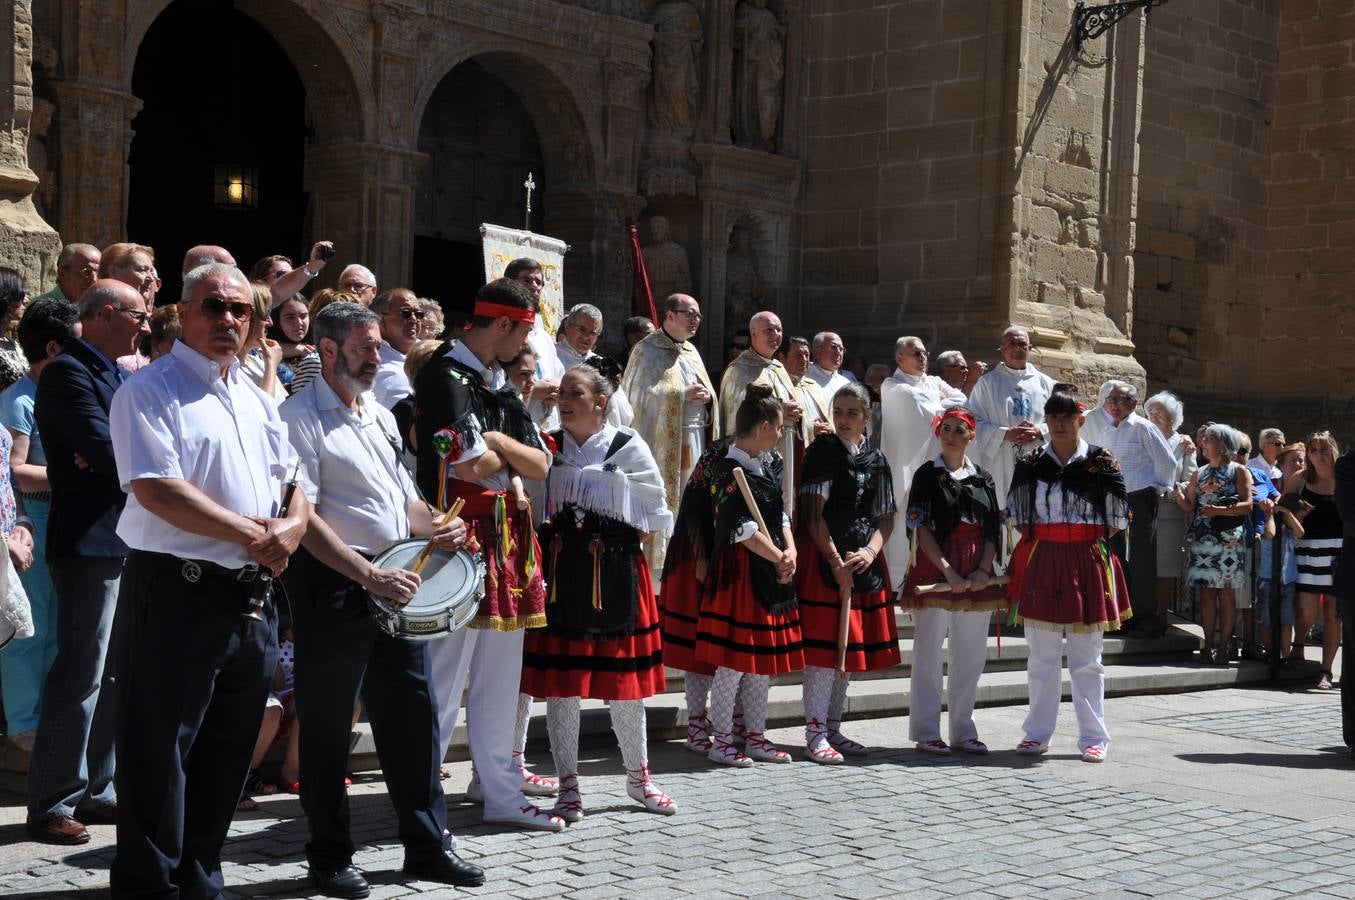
[1347,608]
[193,679]
[1140,569]
[340,652]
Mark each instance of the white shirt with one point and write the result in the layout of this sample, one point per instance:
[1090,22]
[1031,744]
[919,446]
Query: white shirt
[180,419]
[549,368]
[495,379]
[349,470]
[1049,499]
[1004,397]
[391,385]
[1144,455]
[831,382]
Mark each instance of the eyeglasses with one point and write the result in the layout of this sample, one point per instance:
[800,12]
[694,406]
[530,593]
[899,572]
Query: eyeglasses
[409,312]
[141,318]
[357,287]
[216,308]
[915,352]
[692,314]
[955,366]
[1121,401]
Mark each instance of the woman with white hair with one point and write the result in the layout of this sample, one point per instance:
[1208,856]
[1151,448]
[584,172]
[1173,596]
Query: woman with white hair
[1165,411]
[1218,501]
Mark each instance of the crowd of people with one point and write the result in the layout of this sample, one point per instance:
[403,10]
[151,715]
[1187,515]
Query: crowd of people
[195,496]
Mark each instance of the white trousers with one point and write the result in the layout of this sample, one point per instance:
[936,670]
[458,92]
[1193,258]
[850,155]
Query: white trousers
[1044,674]
[965,656]
[493,662]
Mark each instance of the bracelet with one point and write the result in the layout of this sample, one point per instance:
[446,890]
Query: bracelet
[305,267]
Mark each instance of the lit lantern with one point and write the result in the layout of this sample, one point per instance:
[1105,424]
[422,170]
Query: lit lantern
[236,186]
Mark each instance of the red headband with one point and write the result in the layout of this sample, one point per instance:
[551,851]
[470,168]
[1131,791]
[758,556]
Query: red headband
[955,412]
[516,313]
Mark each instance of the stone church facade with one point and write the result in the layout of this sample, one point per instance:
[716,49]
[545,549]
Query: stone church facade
[1168,202]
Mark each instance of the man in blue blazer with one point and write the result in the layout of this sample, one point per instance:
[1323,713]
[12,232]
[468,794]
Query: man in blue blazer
[70,779]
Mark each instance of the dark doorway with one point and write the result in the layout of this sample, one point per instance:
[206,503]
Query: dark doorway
[236,115]
[481,145]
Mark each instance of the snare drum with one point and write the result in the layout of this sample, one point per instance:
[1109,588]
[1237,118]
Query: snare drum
[449,596]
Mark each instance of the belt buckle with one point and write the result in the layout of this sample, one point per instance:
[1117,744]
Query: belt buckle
[247,573]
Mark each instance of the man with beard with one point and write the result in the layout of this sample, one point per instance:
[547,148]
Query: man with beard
[362,500]
[203,455]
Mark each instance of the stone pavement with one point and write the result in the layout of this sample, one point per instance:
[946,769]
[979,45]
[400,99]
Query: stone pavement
[1236,792]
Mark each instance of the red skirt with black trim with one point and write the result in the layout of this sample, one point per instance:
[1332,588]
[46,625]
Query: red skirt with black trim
[599,667]
[963,549]
[680,607]
[872,634]
[1064,575]
[734,629]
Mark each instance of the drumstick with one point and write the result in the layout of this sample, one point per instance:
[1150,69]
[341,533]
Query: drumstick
[519,492]
[942,587]
[427,553]
[747,492]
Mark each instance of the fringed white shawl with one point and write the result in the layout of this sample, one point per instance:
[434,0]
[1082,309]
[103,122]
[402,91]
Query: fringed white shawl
[626,486]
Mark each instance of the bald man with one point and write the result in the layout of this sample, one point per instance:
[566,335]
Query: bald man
[203,254]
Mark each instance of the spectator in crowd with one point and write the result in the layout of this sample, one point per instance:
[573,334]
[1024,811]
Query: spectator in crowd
[269,269]
[203,254]
[522,372]
[1289,461]
[826,370]
[876,374]
[634,330]
[76,269]
[284,281]
[1269,443]
[1165,411]
[132,264]
[260,357]
[957,372]
[1318,549]
[165,330]
[46,328]
[1217,501]
[70,779]
[291,329]
[577,346]
[401,317]
[1263,496]
[549,370]
[356,280]
[13,301]
[434,321]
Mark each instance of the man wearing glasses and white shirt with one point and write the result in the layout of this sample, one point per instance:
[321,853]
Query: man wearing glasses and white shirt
[401,317]
[1149,469]
[358,281]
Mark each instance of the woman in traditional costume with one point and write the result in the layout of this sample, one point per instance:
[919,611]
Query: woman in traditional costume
[956,522]
[748,628]
[846,515]
[1068,500]
[601,640]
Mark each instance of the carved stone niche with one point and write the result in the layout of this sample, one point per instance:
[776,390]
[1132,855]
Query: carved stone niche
[758,67]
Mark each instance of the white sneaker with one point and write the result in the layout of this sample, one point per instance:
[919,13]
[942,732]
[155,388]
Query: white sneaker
[972,745]
[937,747]
[530,818]
[1031,748]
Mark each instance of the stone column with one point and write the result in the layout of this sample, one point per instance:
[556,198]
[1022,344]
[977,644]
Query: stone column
[26,242]
[1076,165]
[362,198]
[94,130]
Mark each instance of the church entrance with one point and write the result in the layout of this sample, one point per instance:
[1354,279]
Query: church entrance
[481,145]
[217,156]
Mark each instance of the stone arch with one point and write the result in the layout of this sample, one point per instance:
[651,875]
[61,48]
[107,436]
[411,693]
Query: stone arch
[338,91]
[570,146]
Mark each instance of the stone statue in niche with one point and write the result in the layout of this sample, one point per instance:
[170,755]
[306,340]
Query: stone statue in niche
[38,158]
[743,285]
[759,70]
[666,262]
[676,87]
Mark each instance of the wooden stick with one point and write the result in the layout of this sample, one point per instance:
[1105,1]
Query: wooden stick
[427,552]
[519,492]
[942,587]
[844,618]
[742,480]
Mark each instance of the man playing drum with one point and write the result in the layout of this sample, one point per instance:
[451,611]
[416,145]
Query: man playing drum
[362,500]
[474,437]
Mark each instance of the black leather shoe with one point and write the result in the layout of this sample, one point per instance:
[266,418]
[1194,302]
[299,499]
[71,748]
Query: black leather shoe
[346,882]
[447,868]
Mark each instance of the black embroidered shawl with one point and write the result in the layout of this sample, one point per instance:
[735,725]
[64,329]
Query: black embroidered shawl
[1088,486]
[939,502]
[860,500]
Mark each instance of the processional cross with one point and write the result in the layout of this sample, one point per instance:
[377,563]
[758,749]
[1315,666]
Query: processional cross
[530,185]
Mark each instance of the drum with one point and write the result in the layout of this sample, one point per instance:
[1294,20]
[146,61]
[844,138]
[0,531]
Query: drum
[449,597]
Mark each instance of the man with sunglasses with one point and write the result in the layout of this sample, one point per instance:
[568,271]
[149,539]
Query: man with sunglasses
[203,455]
[76,269]
[400,315]
[70,780]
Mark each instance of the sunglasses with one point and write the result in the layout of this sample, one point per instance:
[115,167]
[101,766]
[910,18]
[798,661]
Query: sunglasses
[216,308]
[409,312]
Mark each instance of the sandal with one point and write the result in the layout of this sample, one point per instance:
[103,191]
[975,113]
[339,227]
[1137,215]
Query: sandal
[640,787]
[569,805]
[724,752]
[757,747]
[247,804]
[698,734]
[255,784]
[1324,683]
[1094,754]
[817,746]
[845,745]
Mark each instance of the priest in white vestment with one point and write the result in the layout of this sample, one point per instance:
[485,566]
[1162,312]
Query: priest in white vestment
[1008,403]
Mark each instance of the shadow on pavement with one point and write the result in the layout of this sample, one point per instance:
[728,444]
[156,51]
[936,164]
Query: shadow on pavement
[1322,758]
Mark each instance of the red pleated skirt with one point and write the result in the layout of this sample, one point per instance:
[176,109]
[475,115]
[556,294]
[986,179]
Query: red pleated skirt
[680,607]
[601,667]
[1065,575]
[873,633]
[735,631]
[963,549]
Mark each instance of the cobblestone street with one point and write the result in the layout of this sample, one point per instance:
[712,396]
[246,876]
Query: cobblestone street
[1236,793]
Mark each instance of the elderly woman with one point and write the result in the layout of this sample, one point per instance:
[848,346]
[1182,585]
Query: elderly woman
[13,301]
[1318,549]
[1166,412]
[259,357]
[1218,501]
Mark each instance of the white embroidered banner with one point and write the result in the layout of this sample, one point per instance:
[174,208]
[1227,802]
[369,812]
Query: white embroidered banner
[503,245]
